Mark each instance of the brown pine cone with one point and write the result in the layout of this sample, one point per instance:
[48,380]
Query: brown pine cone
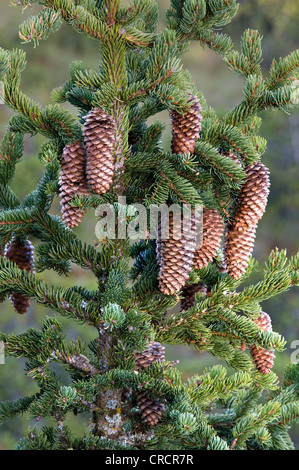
[212,232]
[263,358]
[175,254]
[241,232]
[99,136]
[21,253]
[150,410]
[186,127]
[188,294]
[72,182]
[153,353]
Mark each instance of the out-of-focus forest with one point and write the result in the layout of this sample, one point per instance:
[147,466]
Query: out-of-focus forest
[47,68]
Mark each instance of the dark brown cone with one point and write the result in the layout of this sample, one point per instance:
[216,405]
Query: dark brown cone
[153,353]
[151,411]
[21,253]
[72,182]
[263,358]
[212,233]
[175,254]
[241,232]
[186,127]
[99,137]
[188,294]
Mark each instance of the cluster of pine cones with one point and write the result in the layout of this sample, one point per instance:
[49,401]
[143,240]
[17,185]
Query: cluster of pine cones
[177,257]
[87,166]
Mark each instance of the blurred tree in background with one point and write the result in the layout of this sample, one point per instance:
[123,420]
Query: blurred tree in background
[277,22]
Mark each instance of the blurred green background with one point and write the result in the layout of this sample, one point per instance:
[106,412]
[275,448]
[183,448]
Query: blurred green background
[48,66]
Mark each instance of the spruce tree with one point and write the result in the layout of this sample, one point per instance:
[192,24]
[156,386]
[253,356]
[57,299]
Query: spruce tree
[152,292]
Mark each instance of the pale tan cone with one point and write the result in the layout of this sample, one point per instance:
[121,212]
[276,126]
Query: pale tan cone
[241,232]
[212,233]
[263,358]
[150,410]
[21,253]
[99,137]
[72,182]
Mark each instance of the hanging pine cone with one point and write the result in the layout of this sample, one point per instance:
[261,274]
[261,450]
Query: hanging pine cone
[72,182]
[251,206]
[186,127]
[149,409]
[212,232]
[238,249]
[175,254]
[21,253]
[253,198]
[99,137]
[153,353]
[188,294]
[2,297]
[263,358]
